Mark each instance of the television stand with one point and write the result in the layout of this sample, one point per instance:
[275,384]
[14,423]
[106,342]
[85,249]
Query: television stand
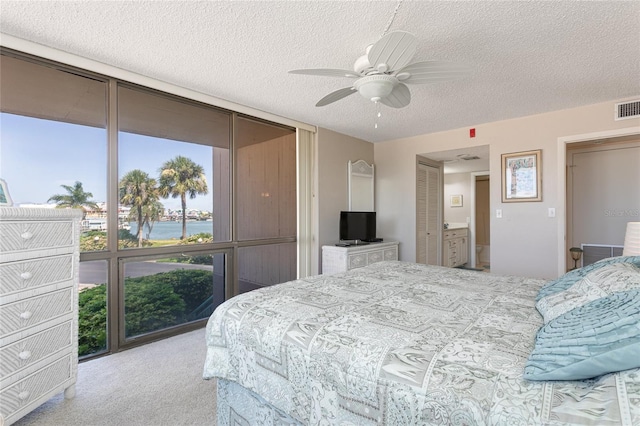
[352,243]
[337,258]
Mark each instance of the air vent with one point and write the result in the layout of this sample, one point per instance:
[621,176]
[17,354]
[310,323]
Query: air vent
[626,110]
[594,252]
[468,157]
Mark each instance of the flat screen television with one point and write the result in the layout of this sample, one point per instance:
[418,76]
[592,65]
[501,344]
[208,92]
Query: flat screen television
[358,226]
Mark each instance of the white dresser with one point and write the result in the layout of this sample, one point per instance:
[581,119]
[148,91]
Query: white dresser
[340,259]
[39,254]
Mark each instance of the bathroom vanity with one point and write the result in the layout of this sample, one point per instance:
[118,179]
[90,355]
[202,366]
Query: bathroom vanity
[456,247]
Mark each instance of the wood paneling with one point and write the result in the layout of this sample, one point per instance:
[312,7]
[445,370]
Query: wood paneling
[266,189]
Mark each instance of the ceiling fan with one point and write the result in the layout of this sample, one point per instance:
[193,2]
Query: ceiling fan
[384,71]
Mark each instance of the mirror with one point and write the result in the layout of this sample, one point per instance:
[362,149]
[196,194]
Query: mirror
[361,186]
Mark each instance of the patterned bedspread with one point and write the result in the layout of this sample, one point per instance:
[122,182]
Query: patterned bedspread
[404,344]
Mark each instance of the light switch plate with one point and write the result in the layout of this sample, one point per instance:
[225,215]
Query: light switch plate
[552,212]
[499,213]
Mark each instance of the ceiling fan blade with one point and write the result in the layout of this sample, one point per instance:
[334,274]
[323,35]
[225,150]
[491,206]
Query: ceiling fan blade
[430,72]
[336,96]
[399,97]
[327,72]
[394,50]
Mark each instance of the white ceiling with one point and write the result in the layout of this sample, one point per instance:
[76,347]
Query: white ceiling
[526,57]
[464,160]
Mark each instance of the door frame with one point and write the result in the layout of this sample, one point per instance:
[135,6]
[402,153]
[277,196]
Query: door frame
[472,214]
[561,164]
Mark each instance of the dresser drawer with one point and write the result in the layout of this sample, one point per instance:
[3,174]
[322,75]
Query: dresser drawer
[17,236]
[26,352]
[19,276]
[23,314]
[28,390]
[357,260]
[391,253]
[374,256]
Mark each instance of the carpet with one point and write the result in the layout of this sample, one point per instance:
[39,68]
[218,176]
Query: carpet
[156,384]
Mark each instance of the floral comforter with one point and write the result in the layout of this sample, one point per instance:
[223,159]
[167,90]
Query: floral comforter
[404,344]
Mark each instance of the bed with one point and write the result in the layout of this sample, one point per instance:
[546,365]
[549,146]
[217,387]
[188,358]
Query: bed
[400,343]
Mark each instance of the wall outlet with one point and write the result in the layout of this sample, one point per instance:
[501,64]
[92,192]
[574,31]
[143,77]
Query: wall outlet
[499,213]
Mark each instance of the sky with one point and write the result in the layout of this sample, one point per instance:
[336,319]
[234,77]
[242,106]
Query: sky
[38,156]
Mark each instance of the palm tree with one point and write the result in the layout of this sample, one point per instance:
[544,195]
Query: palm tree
[179,177]
[152,213]
[138,191]
[75,198]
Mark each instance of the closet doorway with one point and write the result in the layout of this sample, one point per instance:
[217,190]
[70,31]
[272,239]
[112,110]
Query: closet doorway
[602,195]
[429,205]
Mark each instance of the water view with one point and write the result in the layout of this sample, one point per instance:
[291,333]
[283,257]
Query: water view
[173,229]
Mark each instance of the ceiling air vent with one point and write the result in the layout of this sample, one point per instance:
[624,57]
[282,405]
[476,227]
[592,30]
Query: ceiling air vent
[468,157]
[626,110]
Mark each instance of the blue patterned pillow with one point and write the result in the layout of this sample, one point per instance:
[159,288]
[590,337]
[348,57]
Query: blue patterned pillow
[602,336]
[568,279]
[602,282]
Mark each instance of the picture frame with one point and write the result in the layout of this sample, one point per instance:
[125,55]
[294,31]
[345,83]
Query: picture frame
[5,198]
[455,200]
[522,176]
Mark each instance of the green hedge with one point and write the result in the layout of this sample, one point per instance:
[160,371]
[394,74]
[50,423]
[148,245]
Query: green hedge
[152,303]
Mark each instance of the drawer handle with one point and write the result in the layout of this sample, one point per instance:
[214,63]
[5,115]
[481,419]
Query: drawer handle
[23,395]
[24,355]
[26,275]
[26,235]
[26,315]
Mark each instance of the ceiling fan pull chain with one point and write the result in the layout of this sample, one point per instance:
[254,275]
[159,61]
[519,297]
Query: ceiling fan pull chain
[395,11]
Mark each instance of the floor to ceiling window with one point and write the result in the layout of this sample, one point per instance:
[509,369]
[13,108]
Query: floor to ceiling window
[185,204]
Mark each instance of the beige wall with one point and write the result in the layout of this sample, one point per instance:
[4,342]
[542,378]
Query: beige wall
[457,184]
[525,241]
[334,150]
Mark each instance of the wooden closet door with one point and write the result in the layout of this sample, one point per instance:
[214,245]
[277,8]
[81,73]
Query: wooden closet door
[428,214]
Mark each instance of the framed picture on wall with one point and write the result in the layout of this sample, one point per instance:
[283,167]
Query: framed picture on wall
[456,200]
[522,176]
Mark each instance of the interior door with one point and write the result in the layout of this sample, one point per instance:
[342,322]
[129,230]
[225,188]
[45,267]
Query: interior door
[429,213]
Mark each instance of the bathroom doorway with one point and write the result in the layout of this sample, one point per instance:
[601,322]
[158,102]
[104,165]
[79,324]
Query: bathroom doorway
[481,218]
[461,166]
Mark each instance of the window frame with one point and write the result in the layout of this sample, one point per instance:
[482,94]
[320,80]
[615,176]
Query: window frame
[114,256]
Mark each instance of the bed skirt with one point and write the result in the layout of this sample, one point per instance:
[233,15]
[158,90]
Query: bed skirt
[237,405]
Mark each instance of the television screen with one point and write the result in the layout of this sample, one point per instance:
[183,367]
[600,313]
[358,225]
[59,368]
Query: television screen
[358,226]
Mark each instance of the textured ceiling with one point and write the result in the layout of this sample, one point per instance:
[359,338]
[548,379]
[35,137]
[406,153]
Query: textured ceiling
[525,57]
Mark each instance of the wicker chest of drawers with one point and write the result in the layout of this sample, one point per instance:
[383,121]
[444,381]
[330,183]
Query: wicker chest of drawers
[341,259]
[39,254]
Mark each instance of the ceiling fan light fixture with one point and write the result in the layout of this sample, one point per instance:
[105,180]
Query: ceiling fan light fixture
[383,73]
[361,64]
[375,87]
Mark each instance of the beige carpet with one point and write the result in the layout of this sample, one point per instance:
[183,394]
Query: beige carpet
[156,384]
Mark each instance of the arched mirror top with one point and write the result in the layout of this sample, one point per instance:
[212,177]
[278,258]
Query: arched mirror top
[361,186]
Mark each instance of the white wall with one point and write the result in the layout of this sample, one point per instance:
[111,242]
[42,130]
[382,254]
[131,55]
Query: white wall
[525,240]
[334,151]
